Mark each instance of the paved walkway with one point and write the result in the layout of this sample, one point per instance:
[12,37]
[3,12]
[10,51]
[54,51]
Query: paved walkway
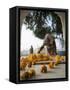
[57,72]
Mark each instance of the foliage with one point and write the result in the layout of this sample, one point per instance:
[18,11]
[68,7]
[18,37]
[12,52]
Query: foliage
[42,22]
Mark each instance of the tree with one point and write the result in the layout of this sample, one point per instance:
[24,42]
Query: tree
[42,22]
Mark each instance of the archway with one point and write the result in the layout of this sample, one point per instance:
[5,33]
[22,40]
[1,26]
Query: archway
[55,17]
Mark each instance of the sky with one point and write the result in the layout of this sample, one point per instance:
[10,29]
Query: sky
[28,39]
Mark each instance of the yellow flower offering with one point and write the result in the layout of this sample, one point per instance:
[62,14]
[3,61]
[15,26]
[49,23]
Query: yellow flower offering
[43,69]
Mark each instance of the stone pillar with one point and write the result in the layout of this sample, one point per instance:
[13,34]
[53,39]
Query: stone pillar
[23,14]
[62,17]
